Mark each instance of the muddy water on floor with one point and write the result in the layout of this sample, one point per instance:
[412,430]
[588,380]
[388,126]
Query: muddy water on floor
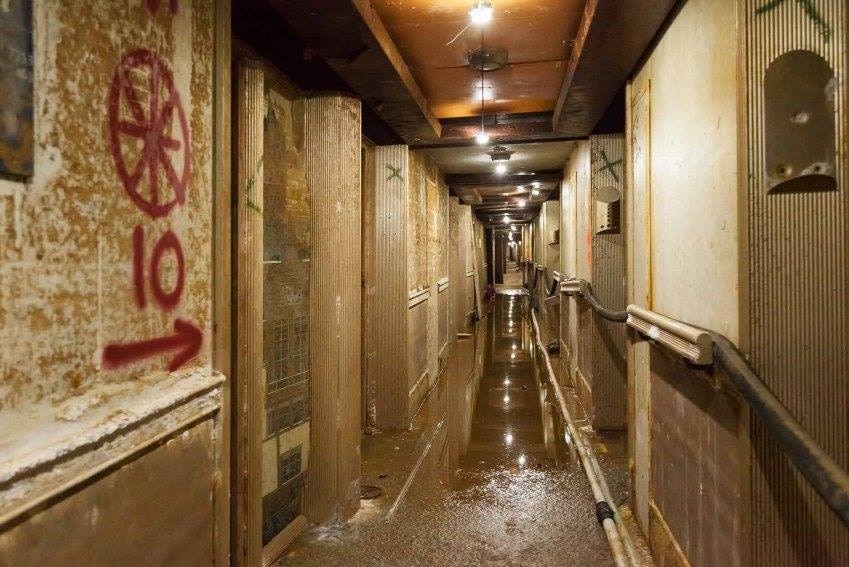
[482,477]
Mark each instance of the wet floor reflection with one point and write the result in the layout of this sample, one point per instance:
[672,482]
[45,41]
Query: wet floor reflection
[483,476]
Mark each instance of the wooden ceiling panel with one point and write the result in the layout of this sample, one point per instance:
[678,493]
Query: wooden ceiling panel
[538,37]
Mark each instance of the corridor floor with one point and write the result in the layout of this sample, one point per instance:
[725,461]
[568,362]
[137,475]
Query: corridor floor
[484,476]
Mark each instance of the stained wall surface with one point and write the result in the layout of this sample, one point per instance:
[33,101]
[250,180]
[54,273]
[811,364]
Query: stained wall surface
[683,227]
[106,255]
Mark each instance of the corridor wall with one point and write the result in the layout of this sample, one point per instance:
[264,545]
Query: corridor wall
[683,261]
[410,319]
[547,253]
[95,265]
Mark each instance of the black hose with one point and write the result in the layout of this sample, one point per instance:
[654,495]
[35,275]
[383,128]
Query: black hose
[605,313]
[829,480]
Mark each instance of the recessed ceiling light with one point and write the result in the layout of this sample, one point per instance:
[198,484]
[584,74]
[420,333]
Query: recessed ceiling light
[482,138]
[501,168]
[481,12]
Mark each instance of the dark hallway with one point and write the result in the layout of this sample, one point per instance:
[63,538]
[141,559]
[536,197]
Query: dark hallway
[424,282]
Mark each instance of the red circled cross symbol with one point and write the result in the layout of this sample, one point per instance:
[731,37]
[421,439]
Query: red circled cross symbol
[143,104]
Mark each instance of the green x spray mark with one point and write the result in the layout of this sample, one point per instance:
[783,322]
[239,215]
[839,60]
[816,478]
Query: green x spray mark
[810,11]
[609,165]
[394,172]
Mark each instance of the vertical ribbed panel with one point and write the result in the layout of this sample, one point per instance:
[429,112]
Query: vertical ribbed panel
[607,155]
[249,274]
[332,164]
[467,261]
[388,318]
[444,271]
[456,269]
[478,249]
[369,299]
[433,275]
[798,297]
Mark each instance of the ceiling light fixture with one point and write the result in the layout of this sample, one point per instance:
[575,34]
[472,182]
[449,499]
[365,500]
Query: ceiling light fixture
[501,168]
[481,12]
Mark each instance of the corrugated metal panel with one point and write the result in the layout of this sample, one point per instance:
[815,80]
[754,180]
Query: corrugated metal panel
[607,154]
[388,319]
[797,289]
[249,270]
[332,164]
[456,269]
[467,261]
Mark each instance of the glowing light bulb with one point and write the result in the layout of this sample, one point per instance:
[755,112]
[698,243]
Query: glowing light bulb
[508,438]
[482,138]
[521,202]
[481,12]
[501,169]
[506,399]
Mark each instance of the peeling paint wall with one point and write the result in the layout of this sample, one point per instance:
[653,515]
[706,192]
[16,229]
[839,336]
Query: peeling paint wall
[106,289]
[72,236]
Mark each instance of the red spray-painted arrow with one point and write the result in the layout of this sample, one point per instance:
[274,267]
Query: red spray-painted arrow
[187,338]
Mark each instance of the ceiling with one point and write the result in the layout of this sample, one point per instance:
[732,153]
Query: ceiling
[538,36]
[407,60]
[529,157]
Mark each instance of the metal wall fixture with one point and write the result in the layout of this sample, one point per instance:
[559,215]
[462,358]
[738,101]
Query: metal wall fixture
[799,123]
[694,344]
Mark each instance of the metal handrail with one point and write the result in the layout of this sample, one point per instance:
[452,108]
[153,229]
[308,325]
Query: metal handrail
[827,478]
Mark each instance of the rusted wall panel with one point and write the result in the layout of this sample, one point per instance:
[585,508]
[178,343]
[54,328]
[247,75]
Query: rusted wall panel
[102,248]
[797,287]
[388,315]
[608,281]
[66,236]
[332,163]
[155,510]
[697,433]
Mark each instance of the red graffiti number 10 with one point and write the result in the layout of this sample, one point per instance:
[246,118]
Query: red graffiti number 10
[166,299]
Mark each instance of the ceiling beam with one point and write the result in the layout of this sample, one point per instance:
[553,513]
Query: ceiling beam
[493,179]
[502,129]
[611,39]
[264,33]
[349,36]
